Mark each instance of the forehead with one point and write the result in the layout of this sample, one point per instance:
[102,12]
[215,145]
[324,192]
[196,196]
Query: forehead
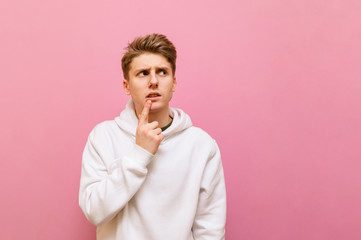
[149,60]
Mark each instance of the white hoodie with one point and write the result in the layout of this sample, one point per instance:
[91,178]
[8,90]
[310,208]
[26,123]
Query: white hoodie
[178,193]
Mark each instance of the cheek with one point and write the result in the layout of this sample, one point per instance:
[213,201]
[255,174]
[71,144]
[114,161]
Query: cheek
[172,88]
[137,89]
[170,93]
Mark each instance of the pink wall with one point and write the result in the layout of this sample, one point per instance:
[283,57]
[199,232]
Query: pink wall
[277,83]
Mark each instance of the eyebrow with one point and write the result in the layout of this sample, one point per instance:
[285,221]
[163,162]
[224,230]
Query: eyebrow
[147,68]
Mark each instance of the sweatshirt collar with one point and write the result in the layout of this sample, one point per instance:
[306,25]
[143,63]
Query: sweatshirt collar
[128,121]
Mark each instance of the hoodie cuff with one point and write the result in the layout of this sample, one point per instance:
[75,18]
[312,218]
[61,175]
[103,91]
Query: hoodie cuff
[141,156]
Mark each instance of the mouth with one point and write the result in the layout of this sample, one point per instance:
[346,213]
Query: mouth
[153,95]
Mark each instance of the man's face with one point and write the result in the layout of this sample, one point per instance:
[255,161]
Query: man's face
[150,77]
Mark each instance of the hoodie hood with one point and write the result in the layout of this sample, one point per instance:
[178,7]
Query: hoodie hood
[128,121]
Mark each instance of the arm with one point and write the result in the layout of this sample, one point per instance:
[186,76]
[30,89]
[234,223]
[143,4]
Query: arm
[103,193]
[210,219]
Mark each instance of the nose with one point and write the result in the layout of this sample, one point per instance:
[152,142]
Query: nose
[153,80]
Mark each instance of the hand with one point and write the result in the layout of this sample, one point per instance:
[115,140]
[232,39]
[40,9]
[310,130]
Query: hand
[148,135]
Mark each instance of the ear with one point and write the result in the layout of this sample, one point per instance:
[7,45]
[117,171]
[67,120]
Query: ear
[126,86]
[174,84]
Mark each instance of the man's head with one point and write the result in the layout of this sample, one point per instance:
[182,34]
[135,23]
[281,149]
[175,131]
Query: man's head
[149,72]
[151,43]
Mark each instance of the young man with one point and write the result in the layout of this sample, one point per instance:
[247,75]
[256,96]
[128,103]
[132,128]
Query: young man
[149,174]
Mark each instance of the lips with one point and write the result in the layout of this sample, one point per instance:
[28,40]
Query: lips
[153,94]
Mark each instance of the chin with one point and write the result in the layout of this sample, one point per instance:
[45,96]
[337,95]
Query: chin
[157,106]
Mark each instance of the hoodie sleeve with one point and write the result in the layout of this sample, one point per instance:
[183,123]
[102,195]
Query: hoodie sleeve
[210,219]
[104,192]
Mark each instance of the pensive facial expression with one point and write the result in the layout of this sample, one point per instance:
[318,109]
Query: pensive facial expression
[150,77]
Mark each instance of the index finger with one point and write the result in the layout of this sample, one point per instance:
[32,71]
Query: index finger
[144,116]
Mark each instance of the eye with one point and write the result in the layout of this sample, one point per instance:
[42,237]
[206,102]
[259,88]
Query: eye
[143,73]
[162,72]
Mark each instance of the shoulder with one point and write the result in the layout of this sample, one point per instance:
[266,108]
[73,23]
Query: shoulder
[202,139]
[199,133]
[103,129]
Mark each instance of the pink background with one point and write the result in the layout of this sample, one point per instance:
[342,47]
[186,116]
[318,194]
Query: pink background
[276,83]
